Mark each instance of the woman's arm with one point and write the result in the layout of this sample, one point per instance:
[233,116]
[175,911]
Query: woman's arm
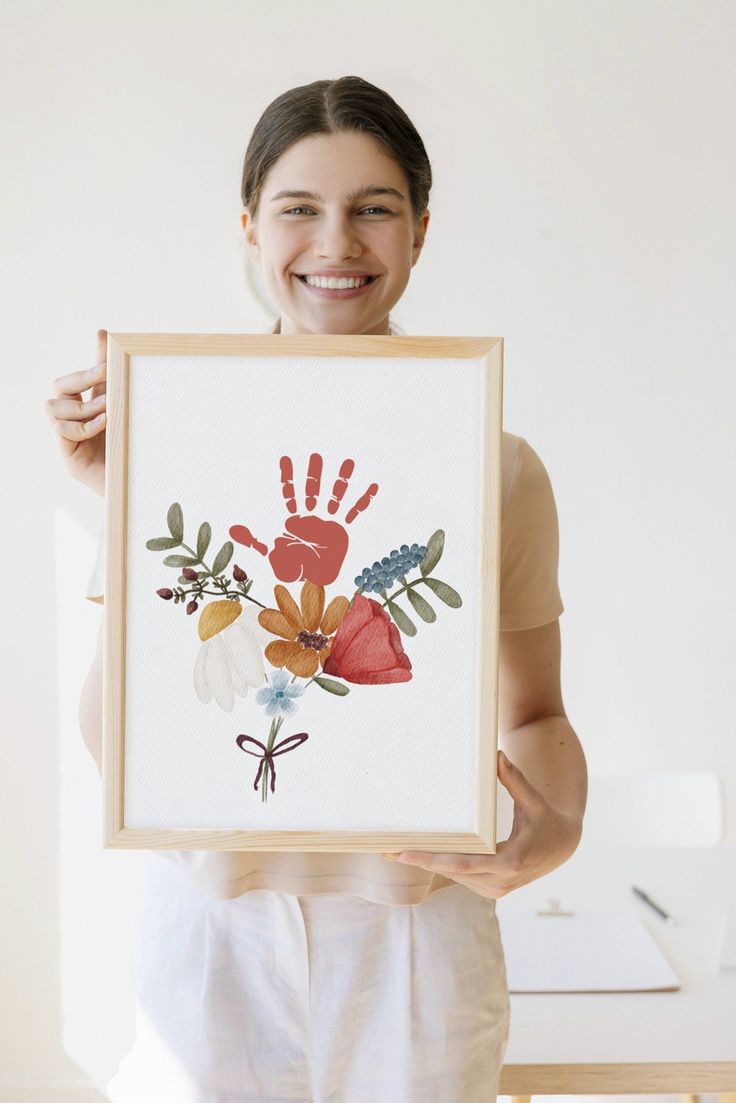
[548,779]
[534,731]
[90,705]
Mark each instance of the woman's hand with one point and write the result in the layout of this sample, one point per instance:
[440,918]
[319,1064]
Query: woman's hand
[541,839]
[80,426]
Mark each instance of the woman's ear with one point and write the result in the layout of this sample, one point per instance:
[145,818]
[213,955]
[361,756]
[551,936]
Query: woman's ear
[251,236]
[419,235]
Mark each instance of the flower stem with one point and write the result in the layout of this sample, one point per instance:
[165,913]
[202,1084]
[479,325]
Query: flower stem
[275,725]
[219,593]
[408,586]
[315,675]
[222,592]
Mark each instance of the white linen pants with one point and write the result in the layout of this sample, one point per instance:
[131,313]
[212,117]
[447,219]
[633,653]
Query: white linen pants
[313,999]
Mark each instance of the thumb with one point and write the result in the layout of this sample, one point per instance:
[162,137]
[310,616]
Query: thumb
[518,785]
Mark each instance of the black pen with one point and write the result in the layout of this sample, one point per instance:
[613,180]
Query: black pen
[660,911]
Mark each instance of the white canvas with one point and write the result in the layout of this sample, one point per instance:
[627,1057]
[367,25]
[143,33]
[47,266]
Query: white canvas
[208,432]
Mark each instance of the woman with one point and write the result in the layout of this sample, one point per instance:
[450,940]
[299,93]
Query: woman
[347,977]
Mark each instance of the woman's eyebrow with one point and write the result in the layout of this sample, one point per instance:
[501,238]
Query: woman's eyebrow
[361,193]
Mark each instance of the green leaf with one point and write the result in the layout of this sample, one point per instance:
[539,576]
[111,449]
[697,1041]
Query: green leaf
[444,592]
[175,520]
[406,625]
[425,610]
[223,557]
[435,547]
[203,539]
[180,561]
[331,686]
[162,543]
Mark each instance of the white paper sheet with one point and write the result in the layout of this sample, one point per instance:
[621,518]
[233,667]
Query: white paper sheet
[585,952]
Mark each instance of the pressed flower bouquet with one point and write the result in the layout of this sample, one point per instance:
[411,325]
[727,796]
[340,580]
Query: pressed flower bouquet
[302,591]
[352,639]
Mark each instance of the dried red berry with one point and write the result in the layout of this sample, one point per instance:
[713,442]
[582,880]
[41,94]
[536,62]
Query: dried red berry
[239,574]
[192,607]
[165,593]
[189,573]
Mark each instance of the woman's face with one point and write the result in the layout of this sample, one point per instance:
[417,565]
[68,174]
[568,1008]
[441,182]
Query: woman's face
[335,230]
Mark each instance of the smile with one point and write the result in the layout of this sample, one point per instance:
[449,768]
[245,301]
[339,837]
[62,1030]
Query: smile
[338,292]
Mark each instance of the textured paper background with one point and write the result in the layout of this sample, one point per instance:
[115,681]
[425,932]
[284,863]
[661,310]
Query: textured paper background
[208,432]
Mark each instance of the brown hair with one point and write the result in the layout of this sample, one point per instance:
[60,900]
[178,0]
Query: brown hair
[333,107]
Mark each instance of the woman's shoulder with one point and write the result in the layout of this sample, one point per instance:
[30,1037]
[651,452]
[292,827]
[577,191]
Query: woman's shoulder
[521,464]
[510,449]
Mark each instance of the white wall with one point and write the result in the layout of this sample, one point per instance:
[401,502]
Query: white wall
[582,209]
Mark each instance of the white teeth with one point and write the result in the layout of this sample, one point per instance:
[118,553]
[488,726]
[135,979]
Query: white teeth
[334,282]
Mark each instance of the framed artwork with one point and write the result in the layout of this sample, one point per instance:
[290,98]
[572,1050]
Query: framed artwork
[301,592]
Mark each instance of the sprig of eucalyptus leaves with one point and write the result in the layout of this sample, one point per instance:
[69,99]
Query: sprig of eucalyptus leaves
[435,547]
[175,522]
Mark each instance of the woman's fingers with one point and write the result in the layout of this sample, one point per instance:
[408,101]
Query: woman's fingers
[75,419]
[72,409]
[72,385]
[72,432]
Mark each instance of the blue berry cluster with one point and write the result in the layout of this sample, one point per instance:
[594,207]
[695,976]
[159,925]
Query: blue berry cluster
[382,576]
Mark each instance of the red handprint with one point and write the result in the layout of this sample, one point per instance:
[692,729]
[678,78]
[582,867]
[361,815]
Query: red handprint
[311,547]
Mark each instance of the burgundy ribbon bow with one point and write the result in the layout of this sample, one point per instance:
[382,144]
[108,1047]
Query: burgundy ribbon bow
[289,744]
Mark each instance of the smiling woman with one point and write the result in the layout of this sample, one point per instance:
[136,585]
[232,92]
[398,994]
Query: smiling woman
[343,976]
[339,260]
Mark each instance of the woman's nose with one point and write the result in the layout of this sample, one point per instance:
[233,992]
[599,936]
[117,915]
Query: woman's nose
[338,238]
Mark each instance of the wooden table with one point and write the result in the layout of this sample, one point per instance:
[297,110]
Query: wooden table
[680,1042]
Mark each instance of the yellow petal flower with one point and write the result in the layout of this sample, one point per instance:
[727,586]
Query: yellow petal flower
[301,661]
[335,612]
[275,622]
[289,608]
[305,664]
[217,615]
[280,652]
[313,602]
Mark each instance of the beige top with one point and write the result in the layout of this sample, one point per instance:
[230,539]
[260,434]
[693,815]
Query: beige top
[529,597]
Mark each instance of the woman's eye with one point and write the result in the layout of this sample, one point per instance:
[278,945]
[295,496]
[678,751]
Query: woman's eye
[292,210]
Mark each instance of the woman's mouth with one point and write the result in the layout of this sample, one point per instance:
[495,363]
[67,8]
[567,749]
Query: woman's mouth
[338,292]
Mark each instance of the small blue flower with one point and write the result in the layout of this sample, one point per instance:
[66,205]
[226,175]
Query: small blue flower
[278,697]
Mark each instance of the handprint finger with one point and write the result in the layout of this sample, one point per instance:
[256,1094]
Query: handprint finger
[314,476]
[287,482]
[362,503]
[244,536]
[340,485]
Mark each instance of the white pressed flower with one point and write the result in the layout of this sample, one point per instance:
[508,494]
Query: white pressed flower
[230,659]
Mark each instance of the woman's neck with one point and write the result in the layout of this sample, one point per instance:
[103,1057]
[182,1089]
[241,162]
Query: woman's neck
[277,328]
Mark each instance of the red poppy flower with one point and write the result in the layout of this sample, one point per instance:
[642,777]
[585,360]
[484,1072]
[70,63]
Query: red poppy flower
[367,646]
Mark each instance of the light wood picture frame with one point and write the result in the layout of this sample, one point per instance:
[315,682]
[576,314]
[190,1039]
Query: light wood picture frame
[301,532]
